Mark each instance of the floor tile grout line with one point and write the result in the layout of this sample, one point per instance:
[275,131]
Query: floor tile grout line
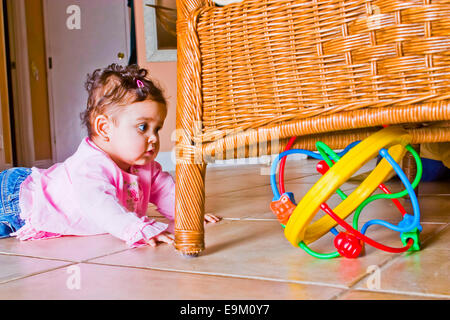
[62,259]
[69,263]
[105,255]
[38,273]
[35,257]
[226,275]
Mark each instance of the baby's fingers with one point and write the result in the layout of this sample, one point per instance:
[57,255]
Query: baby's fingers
[166,238]
[163,237]
[152,242]
[211,218]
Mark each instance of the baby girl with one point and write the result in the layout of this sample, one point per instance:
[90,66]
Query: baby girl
[108,183]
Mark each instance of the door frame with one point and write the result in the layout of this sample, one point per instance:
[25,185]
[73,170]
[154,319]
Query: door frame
[20,83]
[51,107]
[20,76]
[48,50]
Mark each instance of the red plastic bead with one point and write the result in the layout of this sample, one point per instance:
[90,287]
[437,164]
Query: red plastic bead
[348,245]
[322,167]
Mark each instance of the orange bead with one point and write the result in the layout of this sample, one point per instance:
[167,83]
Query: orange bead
[282,208]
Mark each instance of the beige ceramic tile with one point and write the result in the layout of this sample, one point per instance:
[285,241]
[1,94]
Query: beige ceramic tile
[435,188]
[248,186]
[293,168]
[240,204]
[257,249]
[392,239]
[224,170]
[431,211]
[235,178]
[425,272]
[434,199]
[435,208]
[441,188]
[439,240]
[255,202]
[220,183]
[332,202]
[16,267]
[233,183]
[244,191]
[244,259]
[70,248]
[109,282]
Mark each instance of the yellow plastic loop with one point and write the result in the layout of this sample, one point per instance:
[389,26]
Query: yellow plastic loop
[298,228]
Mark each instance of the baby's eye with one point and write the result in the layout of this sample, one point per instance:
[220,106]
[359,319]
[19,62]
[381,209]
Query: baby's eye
[143,127]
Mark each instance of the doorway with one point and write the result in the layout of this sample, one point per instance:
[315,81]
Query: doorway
[6,143]
[54,44]
[82,36]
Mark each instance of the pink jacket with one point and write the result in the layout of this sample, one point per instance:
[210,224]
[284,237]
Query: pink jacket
[89,194]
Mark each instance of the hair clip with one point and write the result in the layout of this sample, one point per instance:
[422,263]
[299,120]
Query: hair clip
[139,83]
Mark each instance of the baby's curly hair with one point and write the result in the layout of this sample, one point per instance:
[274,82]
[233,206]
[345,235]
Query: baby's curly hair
[115,86]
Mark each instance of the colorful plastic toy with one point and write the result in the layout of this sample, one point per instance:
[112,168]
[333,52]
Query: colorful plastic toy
[391,143]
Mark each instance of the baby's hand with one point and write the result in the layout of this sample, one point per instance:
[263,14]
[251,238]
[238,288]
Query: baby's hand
[165,237]
[169,238]
[212,218]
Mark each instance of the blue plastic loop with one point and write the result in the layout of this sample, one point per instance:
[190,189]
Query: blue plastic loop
[409,223]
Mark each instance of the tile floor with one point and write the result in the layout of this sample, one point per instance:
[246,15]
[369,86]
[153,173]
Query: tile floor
[246,255]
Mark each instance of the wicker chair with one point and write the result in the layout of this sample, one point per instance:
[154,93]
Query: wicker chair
[257,70]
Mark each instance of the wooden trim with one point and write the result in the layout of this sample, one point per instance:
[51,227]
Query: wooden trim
[6,144]
[51,107]
[21,86]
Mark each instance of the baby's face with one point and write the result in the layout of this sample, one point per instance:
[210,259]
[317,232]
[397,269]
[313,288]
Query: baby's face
[134,137]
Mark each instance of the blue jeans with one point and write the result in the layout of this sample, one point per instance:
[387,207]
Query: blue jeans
[10,181]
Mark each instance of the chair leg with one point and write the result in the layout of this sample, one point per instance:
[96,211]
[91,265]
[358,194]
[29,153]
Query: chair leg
[410,170]
[409,165]
[190,208]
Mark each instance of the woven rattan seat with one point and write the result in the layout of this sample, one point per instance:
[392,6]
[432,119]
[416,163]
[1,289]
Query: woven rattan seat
[336,71]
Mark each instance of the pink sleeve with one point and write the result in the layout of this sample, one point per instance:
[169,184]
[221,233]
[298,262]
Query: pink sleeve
[163,191]
[97,198]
